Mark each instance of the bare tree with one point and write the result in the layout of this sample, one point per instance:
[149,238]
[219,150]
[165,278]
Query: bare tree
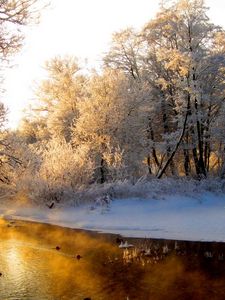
[14,15]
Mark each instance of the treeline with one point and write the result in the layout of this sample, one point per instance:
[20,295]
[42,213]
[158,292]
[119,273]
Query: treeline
[156,108]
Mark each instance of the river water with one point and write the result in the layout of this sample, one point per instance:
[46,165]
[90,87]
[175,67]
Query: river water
[45,262]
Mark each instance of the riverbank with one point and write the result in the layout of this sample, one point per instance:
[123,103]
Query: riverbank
[170,217]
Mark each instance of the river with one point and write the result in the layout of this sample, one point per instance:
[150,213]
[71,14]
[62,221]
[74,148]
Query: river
[45,262]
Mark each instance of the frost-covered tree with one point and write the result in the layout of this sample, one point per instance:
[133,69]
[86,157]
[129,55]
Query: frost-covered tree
[14,14]
[108,121]
[125,52]
[33,130]
[65,169]
[180,60]
[179,57]
[8,157]
[157,107]
[58,96]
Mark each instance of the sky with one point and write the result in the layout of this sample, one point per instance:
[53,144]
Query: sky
[80,28]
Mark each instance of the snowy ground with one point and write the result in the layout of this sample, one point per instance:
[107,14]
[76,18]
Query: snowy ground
[174,217]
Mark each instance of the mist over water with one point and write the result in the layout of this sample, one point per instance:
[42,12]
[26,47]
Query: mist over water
[40,261]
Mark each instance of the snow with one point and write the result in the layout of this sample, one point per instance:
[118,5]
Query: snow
[173,217]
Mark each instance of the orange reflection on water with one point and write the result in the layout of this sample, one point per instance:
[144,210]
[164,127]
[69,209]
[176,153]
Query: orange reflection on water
[48,262]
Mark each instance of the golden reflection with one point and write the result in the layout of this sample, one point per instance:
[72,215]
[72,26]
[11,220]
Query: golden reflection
[14,257]
[57,263]
[16,262]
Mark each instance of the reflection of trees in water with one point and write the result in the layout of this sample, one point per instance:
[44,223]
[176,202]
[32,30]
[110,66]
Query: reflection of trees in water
[153,252]
[152,269]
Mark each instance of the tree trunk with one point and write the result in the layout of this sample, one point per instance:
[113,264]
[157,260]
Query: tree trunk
[187,164]
[150,136]
[166,131]
[195,156]
[178,143]
[102,172]
[149,165]
[207,148]
[201,165]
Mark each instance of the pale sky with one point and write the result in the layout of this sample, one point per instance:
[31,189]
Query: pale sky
[81,28]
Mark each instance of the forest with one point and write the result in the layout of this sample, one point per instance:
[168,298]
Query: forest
[155,109]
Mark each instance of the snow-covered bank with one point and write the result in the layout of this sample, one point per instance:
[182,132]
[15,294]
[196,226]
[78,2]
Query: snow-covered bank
[173,217]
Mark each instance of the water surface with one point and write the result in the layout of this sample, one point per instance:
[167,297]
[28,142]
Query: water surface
[39,261]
